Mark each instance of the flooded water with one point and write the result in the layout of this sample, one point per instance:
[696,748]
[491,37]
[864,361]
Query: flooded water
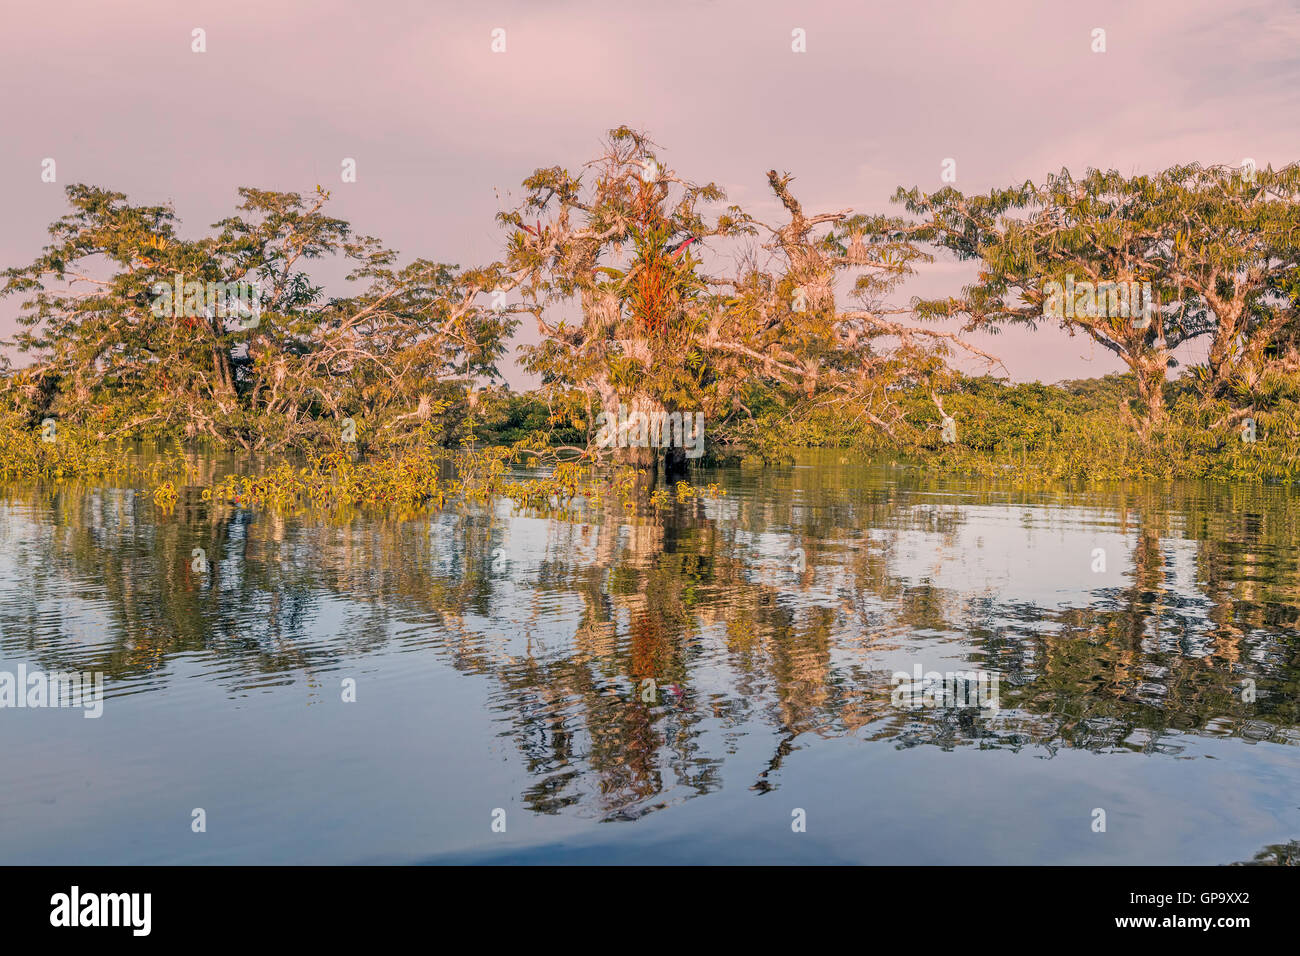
[712,683]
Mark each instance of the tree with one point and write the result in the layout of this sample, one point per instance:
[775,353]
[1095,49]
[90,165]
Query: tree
[633,315]
[787,316]
[135,330]
[618,250]
[1210,245]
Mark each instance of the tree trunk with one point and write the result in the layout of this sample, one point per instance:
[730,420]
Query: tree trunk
[638,432]
[1220,359]
[641,450]
[1150,374]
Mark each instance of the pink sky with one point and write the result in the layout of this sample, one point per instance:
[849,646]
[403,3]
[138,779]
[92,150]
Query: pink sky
[441,127]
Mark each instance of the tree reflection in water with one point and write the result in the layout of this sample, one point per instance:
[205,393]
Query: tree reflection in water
[570,621]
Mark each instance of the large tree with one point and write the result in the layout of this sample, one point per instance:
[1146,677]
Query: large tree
[1212,243]
[817,314]
[112,348]
[649,296]
[607,267]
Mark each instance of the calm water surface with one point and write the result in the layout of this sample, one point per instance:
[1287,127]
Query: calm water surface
[501,660]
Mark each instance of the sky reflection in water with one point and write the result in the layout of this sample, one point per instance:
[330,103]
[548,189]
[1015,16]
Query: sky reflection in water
[501,662]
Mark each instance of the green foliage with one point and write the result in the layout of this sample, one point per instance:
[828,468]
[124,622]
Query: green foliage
[505,418]
[115,350]
[25,455]
[1080,430]
[650,294]
[1216,246]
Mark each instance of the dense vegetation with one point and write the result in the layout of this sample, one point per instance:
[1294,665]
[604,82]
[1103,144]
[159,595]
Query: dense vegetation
[654,297]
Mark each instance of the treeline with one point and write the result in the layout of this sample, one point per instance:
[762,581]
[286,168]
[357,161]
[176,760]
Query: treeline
[1071,430]
[651,294]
